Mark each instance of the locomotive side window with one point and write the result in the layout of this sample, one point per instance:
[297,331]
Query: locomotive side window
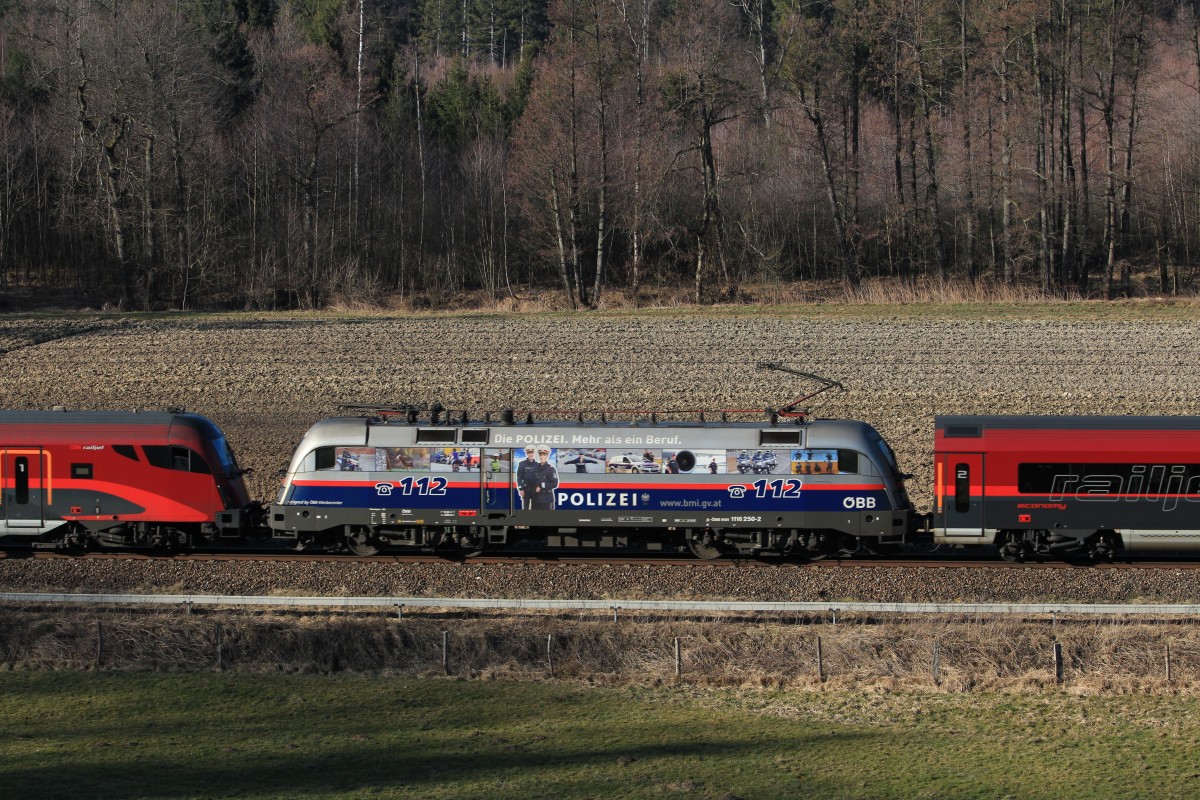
[125,450]
[394,459]
[768,438]
[81,471]
[962,488]
[158,455]
[326,458]
[825,462]
[21,465]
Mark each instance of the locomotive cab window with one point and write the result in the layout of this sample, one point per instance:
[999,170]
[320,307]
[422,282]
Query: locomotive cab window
[180,459]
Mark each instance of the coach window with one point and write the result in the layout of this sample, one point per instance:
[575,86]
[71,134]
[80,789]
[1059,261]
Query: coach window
[1039,478]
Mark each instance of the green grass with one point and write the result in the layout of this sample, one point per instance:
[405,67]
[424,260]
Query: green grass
[113,735]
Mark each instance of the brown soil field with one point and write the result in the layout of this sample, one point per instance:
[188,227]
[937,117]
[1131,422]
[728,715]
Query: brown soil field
[265,378]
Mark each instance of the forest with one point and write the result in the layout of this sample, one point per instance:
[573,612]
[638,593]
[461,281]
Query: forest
[184,154]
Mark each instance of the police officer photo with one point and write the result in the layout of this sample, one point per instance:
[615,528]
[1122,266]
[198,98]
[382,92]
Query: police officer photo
[525,477]
[537,488]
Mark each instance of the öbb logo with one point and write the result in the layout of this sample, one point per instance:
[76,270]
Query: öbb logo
[859,502]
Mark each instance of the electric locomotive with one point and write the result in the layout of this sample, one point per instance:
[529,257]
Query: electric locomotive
[161,480]
[391,481]
[1043,486]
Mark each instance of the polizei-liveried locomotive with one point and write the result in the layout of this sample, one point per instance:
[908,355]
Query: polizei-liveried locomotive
[780,486]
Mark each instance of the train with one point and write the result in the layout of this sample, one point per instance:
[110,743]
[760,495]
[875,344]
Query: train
[74,480]
[398,480]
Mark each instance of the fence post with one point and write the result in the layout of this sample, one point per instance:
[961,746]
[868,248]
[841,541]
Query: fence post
[678,659]
[99,645]
[937,663]
[446,652]
[220,662]
[820,662]
[549,655]
[1168,661]
[1058,662]
[614,609]
[400,611]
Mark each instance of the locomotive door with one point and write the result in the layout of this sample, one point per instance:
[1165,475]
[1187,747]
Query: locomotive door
[495,470]
[960,493]
[21,474]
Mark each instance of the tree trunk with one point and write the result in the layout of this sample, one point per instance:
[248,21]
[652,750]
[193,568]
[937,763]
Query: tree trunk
[969,161]
[564,270]
[1130,135]
[812,109]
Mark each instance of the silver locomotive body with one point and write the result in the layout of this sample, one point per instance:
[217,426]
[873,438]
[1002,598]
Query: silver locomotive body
[714,488]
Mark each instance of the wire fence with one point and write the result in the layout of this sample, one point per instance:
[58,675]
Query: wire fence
[835,645]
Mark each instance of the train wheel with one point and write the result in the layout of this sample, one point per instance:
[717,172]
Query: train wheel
[704,546]
[360,542]
[847,545]
[1104,546]
[469,542]
[1012,548]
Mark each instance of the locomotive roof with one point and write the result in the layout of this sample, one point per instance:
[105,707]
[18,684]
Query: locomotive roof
[1050,422]
[785,423]
[63,416]
[43,418]
[365,430]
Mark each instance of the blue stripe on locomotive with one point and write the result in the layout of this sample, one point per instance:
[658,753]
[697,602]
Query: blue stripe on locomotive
[649,498]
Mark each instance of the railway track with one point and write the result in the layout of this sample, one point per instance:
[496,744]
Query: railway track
[920,562]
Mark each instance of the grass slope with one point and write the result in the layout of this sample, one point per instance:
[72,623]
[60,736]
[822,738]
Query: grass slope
[144,735]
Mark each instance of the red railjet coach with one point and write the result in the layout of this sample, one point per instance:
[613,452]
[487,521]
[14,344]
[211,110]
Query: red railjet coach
[1040,486]
[158,480]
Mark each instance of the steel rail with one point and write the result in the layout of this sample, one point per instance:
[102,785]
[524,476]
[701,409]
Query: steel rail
[734,606]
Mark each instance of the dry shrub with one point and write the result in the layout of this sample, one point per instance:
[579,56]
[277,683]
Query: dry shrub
[870,291]
[1106,657]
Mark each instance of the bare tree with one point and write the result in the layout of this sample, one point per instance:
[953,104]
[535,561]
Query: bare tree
[807,73]
[705,89]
